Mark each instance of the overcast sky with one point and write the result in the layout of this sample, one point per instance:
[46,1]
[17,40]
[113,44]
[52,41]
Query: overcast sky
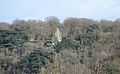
[40,9]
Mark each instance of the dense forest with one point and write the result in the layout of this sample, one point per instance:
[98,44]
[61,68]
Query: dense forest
[73,46]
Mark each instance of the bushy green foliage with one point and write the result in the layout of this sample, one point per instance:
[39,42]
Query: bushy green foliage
[34,61]
[66,44]
[12,38]
[90,35]
[22,34]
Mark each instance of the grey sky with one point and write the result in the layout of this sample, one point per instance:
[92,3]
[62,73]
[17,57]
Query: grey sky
[40,9]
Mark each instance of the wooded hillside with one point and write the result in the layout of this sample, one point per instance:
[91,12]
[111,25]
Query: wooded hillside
[79,46]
